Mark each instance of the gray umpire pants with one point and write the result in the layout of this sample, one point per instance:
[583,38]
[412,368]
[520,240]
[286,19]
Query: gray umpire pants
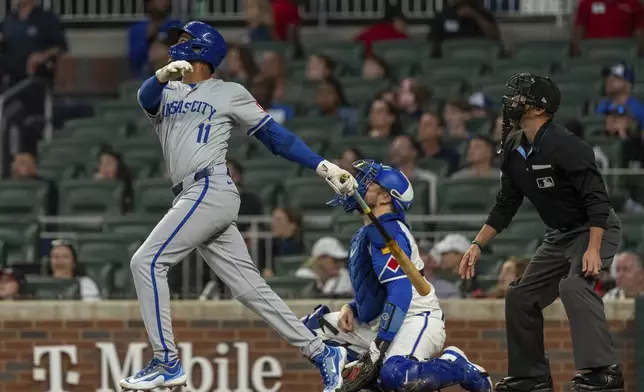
[203,217]
[556,271]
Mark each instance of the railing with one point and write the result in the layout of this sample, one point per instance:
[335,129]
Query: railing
[320,11]
[10,106]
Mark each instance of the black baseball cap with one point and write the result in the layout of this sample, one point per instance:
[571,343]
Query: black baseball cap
[546,93]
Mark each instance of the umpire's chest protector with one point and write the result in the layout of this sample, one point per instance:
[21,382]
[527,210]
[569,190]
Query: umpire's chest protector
[370,293]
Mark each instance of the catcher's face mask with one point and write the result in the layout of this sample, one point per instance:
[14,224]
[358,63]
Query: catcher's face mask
[518,102]
[366,171]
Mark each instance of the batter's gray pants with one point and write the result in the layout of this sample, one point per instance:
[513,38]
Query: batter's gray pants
[202,217]
[555,271]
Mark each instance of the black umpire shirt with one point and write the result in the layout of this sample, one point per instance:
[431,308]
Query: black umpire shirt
[557,173]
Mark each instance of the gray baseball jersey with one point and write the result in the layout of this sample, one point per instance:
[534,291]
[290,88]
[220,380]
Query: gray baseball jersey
[194,123]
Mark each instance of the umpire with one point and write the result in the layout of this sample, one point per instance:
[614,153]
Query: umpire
[556,171]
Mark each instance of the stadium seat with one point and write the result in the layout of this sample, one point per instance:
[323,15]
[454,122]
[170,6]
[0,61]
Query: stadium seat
[363,92]
[474,49]
[341,51]
[291,287]
[632,228]
[504,69]
[308,194]
[420,205]
[436,166]
[128,90]
[541,49]
[610,146]
[134,225]
[259,47]
[345,225]
[48,288]
[153,196]
[371,148]
[613,49]
[20,239]
[467,196]
[288,265]
[109,247]
[323,126]
[506,245]
[21,198]
[66,151]
[90,197]
[527,225]
[101,272]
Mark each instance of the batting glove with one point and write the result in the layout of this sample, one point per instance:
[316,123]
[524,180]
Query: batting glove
[174,70]
[340,180]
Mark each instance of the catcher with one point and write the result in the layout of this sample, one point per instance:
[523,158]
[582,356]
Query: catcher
[389,330]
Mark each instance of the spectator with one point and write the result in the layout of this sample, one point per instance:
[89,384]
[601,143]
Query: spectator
[319,68]
[326,266]
[262,89]
[63,264]
[389,96]
[272,67]
[25,168]
[511,270]
[143,34]
[496,129]
[375,68]
[480,156]
[249,204]
[31,41]
[430,137]
[392,27]
[629,276]
[444,289]
[12,284]
[481,106]
[621,125]
[456,113]
[463,19]
[607,19]
[111,167]
[383,120]
[286,20]
[286,228]
[411,97]
[576,127]
[403,155]
[348,156]
[618,86]
[451,250]
[331,102]
[259,19]
[240,64]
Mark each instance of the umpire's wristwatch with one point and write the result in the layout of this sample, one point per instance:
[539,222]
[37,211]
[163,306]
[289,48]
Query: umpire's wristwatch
[480,245]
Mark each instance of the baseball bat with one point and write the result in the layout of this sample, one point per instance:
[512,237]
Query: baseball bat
[420,284]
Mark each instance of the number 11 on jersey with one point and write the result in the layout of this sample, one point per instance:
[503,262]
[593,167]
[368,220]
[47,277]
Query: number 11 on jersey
[204,132]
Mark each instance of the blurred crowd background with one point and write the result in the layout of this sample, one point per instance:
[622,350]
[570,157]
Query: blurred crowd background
[414,84]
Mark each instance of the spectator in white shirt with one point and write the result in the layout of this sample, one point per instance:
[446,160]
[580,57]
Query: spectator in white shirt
[629,276]
[326,266]
[64,265]
[432,259]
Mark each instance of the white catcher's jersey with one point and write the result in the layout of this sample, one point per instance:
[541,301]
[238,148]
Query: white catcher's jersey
[194,123]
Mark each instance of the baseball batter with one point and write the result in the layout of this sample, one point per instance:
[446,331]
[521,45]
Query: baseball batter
[389,330]
[194,118]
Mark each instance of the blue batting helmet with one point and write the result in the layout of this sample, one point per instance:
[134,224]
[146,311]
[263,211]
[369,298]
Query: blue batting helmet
[389,178]
[206,45]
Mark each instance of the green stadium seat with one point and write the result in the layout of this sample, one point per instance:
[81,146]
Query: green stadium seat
[613,49]
[134,225]
[126,109]
[259,47]
[313,124]
[347,224]
[420,206]
[632,228]
[341,51]
[474,49]
[371,148]
[363,91]
[301,95]
[308,194]
[58,172]
[153,196]
[20,239]
[528,225]
[288,265]
[108,247]
[48,288]
[21,198]
[506,245]
[504,69]
[541,49]
[610,146]
[291,287]
[467,196]
[101,272]
[128,90]
[70,152]
[90,197]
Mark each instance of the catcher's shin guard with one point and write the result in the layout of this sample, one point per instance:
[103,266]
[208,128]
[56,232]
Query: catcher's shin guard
[608,379]
[410,375]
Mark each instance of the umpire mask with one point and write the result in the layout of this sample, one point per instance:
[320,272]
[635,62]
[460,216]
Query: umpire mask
[528,90]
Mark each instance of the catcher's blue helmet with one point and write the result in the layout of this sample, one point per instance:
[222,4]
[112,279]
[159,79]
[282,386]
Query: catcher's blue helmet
[391,179]
[207,45]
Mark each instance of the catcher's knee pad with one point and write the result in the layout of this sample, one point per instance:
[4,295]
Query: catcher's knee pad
[315,320]
[429,375]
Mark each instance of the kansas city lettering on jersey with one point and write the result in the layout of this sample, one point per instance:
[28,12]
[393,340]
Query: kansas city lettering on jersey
[183,107]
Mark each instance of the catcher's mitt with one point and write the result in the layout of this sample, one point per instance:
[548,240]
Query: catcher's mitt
[363,373]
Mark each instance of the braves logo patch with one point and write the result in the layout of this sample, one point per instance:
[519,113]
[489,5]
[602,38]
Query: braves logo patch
[545,182]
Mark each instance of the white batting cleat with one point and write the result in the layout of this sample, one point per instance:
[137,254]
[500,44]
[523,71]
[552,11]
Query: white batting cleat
[156,375]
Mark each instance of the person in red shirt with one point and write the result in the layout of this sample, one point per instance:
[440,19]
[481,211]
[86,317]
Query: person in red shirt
[598,19]
[286,18]
[392,27]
